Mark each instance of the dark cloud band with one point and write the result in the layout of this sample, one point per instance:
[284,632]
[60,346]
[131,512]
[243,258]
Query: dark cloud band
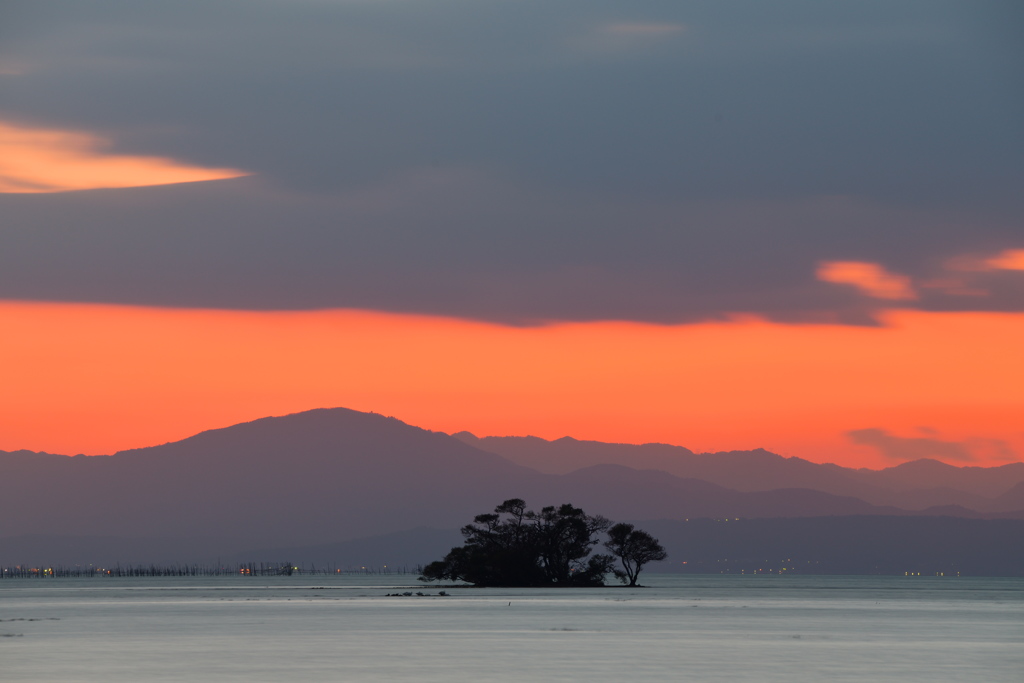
[524,161]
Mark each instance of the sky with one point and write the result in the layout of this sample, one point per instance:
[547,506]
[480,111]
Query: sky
[725,225]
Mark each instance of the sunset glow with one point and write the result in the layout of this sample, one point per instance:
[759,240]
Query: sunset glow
[34,160]
[96,379]
[649,224]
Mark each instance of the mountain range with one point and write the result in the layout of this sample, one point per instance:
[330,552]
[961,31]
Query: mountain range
[914,485]
[328,478]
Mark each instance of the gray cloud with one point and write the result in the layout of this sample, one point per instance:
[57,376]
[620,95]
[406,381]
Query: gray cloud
[518,161]
[746,103]
[445,241]
[915,448]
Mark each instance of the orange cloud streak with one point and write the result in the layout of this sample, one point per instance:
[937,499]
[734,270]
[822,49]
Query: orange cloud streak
[871,278]
[1011,259]
[36,160]
[96,379]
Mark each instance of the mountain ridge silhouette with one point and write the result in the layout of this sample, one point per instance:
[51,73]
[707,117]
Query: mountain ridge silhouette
[333,475]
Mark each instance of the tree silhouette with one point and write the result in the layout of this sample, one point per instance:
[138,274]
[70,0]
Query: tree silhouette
[514,546]
[634,548]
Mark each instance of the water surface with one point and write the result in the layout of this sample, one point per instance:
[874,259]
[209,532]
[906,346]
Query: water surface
[346,628]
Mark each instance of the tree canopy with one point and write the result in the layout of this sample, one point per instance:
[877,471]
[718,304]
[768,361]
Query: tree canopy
[634,548]
[514,546]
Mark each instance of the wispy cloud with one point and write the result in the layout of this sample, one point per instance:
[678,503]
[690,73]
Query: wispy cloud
[12,69]
[650,29]
[975,274]
[1010,259]
[954,286]
[34,160]
[929,446]
[621,38]
[1007,259]
[870,278]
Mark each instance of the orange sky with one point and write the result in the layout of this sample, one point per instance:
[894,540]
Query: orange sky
[96,379]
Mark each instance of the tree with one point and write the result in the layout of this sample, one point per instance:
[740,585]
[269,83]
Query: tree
[565,536]
[634,548]
[514,546]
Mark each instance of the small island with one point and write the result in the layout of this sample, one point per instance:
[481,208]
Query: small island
[517,547]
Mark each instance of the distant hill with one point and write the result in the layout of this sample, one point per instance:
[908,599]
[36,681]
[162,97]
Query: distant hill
[844,545]
[1013,499]
[304,478]
[333,476]
[399,551]
[932,474]
[68,550]
[624,493]
[914,486]
[854,544]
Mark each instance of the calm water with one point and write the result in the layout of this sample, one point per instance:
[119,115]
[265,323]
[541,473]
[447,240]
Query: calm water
[752,628]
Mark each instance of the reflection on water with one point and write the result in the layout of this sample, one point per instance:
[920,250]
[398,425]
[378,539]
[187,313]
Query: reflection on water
[694,628]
